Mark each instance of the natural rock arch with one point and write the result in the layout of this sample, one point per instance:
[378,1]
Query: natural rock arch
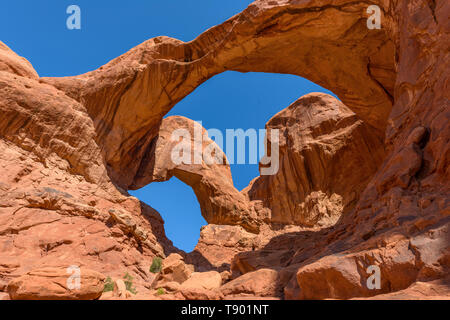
[327,44]
[83,130]
[321,144]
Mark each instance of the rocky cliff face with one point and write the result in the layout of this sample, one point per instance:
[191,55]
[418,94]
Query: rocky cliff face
[58,206]
[363,181]
[327,156]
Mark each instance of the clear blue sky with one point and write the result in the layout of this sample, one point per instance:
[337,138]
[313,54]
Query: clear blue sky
[37,30]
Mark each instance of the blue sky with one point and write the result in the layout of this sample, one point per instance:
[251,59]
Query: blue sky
[37,30]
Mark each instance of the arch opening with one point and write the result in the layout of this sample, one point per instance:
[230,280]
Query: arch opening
[247,101]
[179,208]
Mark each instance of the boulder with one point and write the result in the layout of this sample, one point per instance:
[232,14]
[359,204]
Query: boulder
[175,269]
[171,286]
[262,282]
[120,289]
[201,294]
[204,280]
[354,172]
[4,296]
[52,284]
[217,246]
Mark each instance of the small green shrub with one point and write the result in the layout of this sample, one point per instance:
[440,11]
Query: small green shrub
[160,291]
[109,285]
[128,280]
[156,265]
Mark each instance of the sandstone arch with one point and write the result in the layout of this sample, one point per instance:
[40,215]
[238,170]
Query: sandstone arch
[80,131]
[326,158]
[327,44]
[220,201]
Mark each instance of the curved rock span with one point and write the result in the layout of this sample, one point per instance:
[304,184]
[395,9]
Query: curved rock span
[362,188]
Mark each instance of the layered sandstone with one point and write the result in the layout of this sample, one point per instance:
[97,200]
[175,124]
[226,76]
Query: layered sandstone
[327,155]
[52,284]
[378,193]
[191,156]
[128,97]
[58,207]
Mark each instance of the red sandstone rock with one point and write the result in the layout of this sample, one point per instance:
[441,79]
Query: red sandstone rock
[264,34]
[174,269]
[10,62]
[171,286]
[51,284]
[201,294]
[322,144]
[120,289]
[432,290]
[71,147]
[262,283]
[206,170]
[4,296]
[219,244]
[203,280]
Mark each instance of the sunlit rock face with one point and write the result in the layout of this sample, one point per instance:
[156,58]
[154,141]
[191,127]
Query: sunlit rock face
[328,44]
[58,207]
[327,156]
[203,166]
[363,181]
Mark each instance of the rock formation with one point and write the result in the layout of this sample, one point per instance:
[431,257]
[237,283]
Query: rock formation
[52,212]
[52,284]
[327,156]
[128,97]
[206,170]
[363,181]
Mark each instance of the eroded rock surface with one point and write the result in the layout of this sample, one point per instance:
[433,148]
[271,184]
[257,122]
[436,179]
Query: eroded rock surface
[261,283]
[58,207]
[321,144]
[70,148]
[52,284]
[184,150]
[128,97]
[327,155]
